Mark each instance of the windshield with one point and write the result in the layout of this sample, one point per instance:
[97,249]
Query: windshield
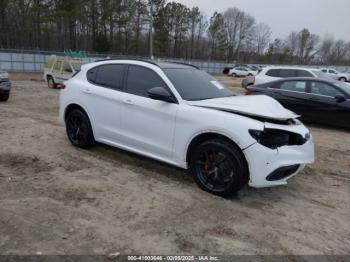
[194,85]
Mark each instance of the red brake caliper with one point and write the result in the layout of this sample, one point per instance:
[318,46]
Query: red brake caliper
[207,161]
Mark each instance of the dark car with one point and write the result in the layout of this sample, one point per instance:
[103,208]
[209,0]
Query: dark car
[226,70]
[316,100]
[5,86]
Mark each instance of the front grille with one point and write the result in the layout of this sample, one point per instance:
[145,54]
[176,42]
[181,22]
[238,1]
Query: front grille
[282,172]
[4,80]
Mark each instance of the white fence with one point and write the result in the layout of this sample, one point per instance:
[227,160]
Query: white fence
[34,61]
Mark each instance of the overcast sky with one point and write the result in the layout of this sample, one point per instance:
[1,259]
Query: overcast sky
[283,16]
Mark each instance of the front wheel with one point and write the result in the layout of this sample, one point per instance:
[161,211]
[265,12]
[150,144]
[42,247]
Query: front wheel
[342,79]
[219,167]
[234,75]
[79,129]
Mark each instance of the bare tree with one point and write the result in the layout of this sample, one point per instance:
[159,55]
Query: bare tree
[262,37]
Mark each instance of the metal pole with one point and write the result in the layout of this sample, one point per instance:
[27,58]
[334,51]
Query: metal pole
[151,30]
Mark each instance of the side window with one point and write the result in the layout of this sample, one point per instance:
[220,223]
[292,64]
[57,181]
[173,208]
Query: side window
[324,70]
[67,68]
[57,66]
[91,75]
[319,88]
[273,73]
[141,79]
[303,73]
[108,75]
[285,73]
[296,86]
[332,71]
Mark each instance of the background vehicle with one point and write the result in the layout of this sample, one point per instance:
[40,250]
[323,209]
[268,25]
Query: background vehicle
[181,115]
[242,71]
[58,70]
[316,100]
[269,74]
[344,77]
[226,70]
[5,86]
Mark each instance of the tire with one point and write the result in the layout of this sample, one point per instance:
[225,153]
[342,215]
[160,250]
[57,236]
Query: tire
[223,177]
[4,97]
[51,82]
[343,79]
[250,75]
[79,130]
[234,75]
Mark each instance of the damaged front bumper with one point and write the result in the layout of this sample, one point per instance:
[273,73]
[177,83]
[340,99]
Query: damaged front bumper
[273,167]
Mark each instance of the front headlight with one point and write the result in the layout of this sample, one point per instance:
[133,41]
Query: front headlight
[274,138]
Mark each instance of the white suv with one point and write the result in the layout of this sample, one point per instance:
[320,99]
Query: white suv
[180,115]
[270,74]
[242,71]
[344,77]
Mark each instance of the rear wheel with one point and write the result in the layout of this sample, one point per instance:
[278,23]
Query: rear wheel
[51,82]
[219,167]
[4,97]
[79,129]
[250,75]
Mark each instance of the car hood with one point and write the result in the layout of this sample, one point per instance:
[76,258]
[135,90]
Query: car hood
[259,105]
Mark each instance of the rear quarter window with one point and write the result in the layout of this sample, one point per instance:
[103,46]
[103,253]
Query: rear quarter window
[303,73]
[273,72]
[109,76]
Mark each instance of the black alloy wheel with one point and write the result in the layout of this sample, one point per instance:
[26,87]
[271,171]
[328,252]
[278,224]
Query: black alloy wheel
[79,129]
[219,167]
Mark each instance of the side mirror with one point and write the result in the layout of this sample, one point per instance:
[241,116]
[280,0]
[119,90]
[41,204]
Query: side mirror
[340,98]
[161,94]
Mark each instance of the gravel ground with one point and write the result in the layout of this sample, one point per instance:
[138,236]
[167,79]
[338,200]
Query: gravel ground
[57,199]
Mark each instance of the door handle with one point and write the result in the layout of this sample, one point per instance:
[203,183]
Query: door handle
[87,91]
[128,102]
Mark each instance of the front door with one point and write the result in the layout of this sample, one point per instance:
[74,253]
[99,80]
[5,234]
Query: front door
[147,125]
[325,108]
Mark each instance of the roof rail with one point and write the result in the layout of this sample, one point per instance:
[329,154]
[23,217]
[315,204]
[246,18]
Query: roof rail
[128,58]
[181,63]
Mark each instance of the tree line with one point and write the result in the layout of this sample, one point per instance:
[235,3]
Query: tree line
[123,27]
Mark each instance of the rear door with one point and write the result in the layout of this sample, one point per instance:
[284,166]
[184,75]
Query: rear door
[103,96]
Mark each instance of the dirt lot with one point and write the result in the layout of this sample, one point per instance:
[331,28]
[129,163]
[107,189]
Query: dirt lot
[57,199]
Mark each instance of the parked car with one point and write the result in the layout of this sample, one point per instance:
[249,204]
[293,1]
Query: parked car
[181,115]
[5,86]
[316,100]
[58,70]
[344,77]
[270,74]
[242,71]
[226,70]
